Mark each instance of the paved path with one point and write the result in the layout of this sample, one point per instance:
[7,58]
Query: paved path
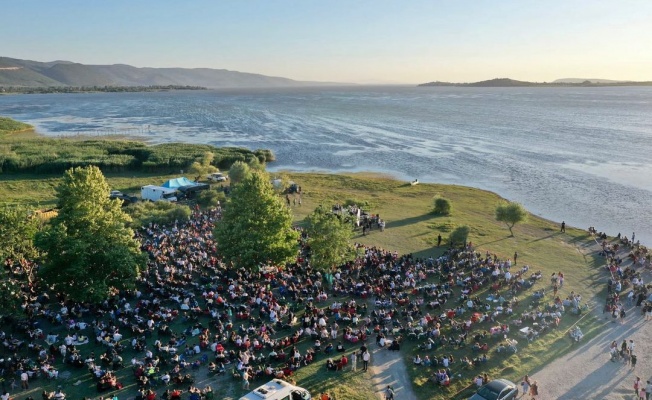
[587,372]
[388,368]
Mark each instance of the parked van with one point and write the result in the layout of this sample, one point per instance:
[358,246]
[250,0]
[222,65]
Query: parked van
[156,193]
[278,390]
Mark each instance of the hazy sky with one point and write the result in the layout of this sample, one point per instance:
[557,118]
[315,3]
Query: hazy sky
[377,41]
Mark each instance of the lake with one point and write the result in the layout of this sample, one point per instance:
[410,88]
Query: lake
[582,155]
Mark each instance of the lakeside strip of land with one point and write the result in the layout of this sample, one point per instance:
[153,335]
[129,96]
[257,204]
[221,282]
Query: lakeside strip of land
[506,82]
[94,89]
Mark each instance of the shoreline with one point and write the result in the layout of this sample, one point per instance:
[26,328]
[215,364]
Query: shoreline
[396,175]
[403,177]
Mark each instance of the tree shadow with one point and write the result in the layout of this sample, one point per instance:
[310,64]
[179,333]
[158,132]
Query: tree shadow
[409,221]
[494,241]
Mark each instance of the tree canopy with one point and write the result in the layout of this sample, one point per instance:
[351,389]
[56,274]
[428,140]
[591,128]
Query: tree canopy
[239,172]
[256,228]
[18,227]
[329,240]
[511,213]
[203,166]
[89,250]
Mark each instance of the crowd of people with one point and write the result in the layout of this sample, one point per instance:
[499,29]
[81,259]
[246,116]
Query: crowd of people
[192,312]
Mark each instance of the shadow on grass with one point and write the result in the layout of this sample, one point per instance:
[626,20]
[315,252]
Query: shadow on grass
[409,221]
[494,241]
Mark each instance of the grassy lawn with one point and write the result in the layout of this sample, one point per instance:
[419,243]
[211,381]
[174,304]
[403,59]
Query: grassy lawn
[411,228]
[8,125]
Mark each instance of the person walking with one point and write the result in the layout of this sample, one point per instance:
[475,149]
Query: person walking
[534,389]
[563,226]
[648,390]
[354,362]
[365,360]
[389,393]
[515,256]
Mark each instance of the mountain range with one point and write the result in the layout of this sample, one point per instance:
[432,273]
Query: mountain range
[565,82]
[26,73]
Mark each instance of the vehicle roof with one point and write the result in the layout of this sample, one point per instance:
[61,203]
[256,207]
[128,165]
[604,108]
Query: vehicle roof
[271,389]
[499,385]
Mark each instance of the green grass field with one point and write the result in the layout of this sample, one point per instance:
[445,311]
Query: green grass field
[411,228]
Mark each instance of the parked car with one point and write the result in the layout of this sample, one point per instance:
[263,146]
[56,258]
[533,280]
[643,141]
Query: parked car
[498,389]
[126,199]
[217,177]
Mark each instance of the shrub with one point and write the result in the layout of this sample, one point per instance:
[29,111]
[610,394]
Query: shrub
[158,212]
[210,198]
[442,206]
[460,235]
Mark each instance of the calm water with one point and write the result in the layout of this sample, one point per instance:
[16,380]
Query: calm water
[575,154]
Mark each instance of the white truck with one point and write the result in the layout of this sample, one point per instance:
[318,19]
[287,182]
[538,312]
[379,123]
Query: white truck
[278,390]
[157,193]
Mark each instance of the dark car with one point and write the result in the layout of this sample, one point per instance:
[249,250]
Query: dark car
[125,199]
[498,389]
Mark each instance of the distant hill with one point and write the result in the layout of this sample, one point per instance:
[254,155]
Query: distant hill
[26,73]
[566,82]
[582,80]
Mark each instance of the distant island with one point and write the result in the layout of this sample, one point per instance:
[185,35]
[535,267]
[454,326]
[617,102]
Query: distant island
[34,74]
[92,89]
[566,82]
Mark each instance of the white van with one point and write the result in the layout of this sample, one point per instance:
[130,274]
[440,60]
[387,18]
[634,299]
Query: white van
[156,193]
[278,390]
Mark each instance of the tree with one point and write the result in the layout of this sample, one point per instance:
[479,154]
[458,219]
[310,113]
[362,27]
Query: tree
[442,206]
[329,240]
[511,213]
[203,166]
[459,235]
[89,250]
[256,227]
[18,227]
[239,172]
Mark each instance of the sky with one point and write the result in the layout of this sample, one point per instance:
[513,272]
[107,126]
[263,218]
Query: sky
[356,41]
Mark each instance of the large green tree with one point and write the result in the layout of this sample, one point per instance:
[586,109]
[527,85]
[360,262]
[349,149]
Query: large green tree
[329,238]
[511,213]
[256,227]
[18,227]
[89,250]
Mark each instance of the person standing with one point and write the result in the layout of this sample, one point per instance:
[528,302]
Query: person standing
[24,380]
[515,256]
[439,240]
[632,360]
[365,360]
[563,226]
[525,385]
[354,362]
[245,380]
[648,390]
